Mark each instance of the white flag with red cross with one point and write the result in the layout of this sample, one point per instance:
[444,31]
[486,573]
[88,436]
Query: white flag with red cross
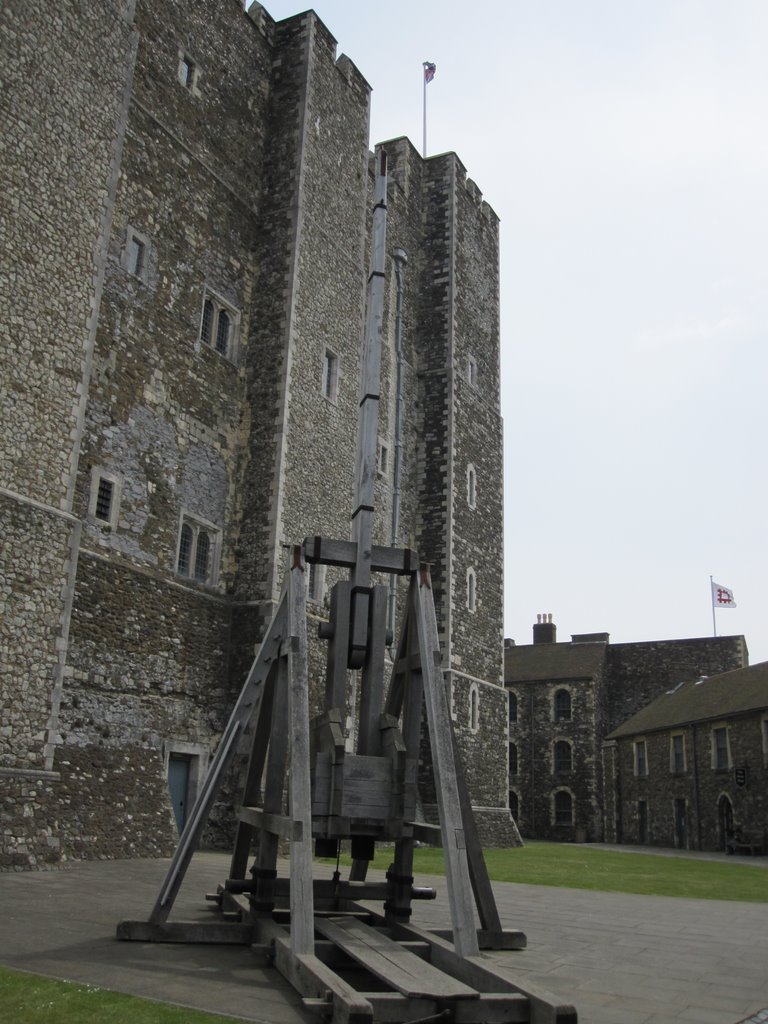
[722,597]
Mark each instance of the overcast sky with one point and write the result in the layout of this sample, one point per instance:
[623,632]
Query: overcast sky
[624,146]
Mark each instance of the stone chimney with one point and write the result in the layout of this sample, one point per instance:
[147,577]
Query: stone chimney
[544,629]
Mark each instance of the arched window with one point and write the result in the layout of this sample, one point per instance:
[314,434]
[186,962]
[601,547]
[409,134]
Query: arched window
[474,708]
[514,804]
[185,550]
[201,555]
[471,590]
[513,759]
[471,486]
[222,332]
[512,697]
[562,706]
[219,326]
[563,808]
[563,757]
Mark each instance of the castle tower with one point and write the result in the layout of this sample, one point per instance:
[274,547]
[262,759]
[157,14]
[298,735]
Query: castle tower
[180,398]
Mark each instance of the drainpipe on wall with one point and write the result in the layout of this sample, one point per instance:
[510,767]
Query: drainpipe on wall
[400,259]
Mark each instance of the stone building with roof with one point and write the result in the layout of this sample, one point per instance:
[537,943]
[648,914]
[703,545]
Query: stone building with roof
[186,188]
[691,768]
[564,700]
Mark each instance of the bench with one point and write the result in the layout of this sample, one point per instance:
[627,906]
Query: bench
[742,846]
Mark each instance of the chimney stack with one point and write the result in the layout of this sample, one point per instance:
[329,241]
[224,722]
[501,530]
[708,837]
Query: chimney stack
[544,629]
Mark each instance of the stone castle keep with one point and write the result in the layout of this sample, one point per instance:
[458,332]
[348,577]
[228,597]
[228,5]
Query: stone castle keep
[185,252]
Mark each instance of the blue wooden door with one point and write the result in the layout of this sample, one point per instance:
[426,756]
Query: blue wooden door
[178,784]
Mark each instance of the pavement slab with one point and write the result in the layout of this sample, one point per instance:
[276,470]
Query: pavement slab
[621,959]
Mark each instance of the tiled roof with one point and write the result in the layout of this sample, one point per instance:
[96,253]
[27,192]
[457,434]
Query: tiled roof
[731,693]
[536,662]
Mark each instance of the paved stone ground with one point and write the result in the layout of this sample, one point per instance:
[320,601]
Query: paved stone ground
[621,959]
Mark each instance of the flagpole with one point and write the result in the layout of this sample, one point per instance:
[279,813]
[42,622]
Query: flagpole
[712,599]
[424,110]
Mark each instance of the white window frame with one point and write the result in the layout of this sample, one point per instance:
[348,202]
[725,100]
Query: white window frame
[98,473]
[555,769]
[199,526]
[555,716]
[329,378]
[672,766]
[219,305]
[636,745]
[715,728]
[471,486]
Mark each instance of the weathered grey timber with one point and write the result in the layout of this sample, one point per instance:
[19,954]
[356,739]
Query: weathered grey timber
[361,797]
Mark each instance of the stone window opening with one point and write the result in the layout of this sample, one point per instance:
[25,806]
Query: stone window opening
[512,704]
[474,708]
[513,760]
[135,255]
[563,807]
[219,325]
[721,748]
[641,758]
[198,551]
[472,371]
[383,466]
[562,706]
[563,757]
[103,504]
[471,486]
[471,590]
[189,73]
[677,753]
[330,380]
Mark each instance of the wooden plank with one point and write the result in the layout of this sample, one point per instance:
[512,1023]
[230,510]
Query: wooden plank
[478,872]
[384,958]
[486,976]
[372,675]
[313,979]
[393,561]
[449,807]
[248,706]
[301,896]
[490,1008]
[277,824]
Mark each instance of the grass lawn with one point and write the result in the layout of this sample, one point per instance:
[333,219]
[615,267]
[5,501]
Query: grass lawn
[30,999]
[573,866]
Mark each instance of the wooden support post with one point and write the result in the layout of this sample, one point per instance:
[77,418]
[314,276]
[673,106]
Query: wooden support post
[439,720]
[301,896]
[246,708]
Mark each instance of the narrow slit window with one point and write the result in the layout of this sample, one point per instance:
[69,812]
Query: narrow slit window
[471,486]
[187,72]
[471,590]
[330,375]
[222,333]
[136,256]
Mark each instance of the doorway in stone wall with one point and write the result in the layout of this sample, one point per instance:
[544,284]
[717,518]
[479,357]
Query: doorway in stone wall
[178,785]
[681,824]
[725,819]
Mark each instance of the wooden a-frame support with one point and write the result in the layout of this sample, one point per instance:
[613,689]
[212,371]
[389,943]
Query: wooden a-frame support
[273,712]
